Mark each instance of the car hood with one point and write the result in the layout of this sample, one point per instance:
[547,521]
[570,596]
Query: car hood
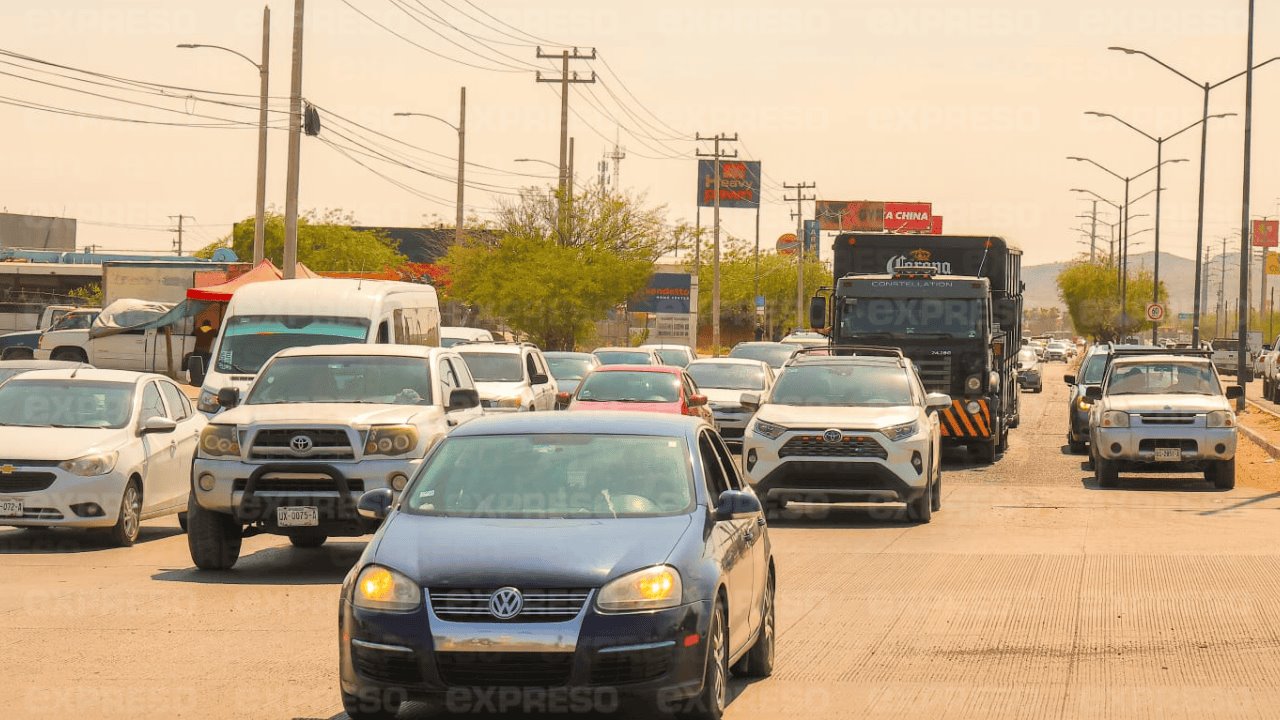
[44,443]
[325,413]
[494,390]
[1167,403]
[809,416]
[725,396]
[492,552]
[655,407]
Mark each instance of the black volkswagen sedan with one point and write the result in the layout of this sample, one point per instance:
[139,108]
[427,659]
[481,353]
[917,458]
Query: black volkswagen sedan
[568,562]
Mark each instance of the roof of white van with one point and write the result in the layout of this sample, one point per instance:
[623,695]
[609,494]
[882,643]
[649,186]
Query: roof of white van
[320,293]
[380,349]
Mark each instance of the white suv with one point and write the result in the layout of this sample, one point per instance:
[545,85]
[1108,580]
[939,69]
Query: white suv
[319,427]
[511,376]
[854,425]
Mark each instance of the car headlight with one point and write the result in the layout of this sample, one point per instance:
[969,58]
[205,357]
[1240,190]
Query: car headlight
[768,429]
[391,440]
[1082,404]
[901,432]
[1221,419]
[653,588]
[208,402]
[973,383]
[90,465]
[1115,418]
[513,402]
[219,441]
[380,588]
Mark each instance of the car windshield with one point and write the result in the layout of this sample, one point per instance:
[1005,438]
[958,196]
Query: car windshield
[1163,378]
[842,384]
[727,376]
[775,354]
[250,340]
[555,476]
[344,379]
[448,342]
[623,357]
[674,356]
[75,321]
[494,367]
[568,368]
[66,404]
[625,386]
[1226,345]
[948,317]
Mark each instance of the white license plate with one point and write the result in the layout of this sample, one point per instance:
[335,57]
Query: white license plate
[1168,454]
[297,516]
[10,507]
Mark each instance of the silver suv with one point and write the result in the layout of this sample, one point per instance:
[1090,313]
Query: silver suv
[511,376]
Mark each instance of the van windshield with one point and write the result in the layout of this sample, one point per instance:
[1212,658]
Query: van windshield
[250,340]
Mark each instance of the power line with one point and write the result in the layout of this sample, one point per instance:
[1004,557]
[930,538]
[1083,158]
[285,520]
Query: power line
[28,58]
[406,10]
[424,48]
[496,19]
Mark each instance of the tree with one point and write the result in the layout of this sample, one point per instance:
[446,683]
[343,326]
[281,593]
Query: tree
[326,242]
[738,284]
[553,278]
[1092,294]
[91,294]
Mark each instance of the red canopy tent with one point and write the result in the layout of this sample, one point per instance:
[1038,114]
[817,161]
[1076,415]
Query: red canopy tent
[264,272]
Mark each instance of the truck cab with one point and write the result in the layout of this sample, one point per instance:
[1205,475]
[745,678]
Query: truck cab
[21,345]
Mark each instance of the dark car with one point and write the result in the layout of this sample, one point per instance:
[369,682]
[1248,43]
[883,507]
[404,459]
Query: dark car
[566,557]
[774,353]
[1092,370]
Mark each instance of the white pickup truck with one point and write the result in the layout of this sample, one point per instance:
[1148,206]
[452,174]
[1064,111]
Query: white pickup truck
[120,340]
[68,339]
[1268,368]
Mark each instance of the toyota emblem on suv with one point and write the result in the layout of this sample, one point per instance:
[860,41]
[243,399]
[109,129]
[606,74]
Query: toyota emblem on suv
[300,444]
[506,603]
[832,436]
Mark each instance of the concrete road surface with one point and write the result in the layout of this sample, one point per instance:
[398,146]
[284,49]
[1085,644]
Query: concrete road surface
[1033,594]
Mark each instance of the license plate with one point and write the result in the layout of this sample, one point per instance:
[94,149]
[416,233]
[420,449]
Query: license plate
[10,507]
[1168,454]
[297,516]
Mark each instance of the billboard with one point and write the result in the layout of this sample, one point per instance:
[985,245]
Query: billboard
[850,216]
[739,183]
[33,232]
[1273,263]
[1266,233]
[666,293]
[907,216]
[811,238]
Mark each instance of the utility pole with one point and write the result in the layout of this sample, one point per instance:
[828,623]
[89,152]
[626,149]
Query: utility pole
[260,199]
[290,268]
[1093,233]
[564,80]
[799,199]
[715,264]
[1242,305]
[569,199]
[177,244]
[462,165]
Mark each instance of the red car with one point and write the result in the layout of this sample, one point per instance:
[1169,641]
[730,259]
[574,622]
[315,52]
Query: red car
[646,388]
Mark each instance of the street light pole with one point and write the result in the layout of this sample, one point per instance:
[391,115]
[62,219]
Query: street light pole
[1242,305]
[293,170]
[461,130]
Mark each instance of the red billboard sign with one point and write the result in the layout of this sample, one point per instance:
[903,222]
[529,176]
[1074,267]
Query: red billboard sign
[1266,233]
[908,216]
[935,225]
[850,216]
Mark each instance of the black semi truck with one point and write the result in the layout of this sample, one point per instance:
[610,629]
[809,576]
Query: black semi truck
[953,304]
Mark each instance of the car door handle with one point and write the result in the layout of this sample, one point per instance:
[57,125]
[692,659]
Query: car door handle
[451,422]
[748,535]
[760,521]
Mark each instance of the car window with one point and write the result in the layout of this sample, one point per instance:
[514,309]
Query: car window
[179,407]
[629,386]
[494,366]
[152,405]
[726,461]
[448,379]
[461,372]
[717,480]
[1160,378]
[842,385]
[530,366]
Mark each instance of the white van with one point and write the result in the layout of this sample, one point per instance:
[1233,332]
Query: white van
[265,318]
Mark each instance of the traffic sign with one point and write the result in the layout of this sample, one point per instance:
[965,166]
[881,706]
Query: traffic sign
[1155,312]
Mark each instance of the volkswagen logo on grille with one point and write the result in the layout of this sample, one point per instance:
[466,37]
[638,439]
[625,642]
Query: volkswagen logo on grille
[833,436]
[300,444]
[506,603]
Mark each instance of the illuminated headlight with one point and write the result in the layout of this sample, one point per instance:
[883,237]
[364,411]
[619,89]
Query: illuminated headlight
[652,588]
[901,432]
[768,429]
[973,383]
[1221,419]
[1082,404]
[1115,419]
[380,588]
[391,440]
[510,403]
[219,441]
[208,402]
[90,465]
[972,407]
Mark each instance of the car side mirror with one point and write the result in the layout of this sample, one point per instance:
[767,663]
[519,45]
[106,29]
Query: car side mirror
[563,398]
[195,370]
[1069,379]
[1093,392]
[818,312]
[697,400]
[375,504]
[539,379]
[750,401]
[463,399]
[937,401]
[737,505]
[1235,392]
[229,397]
[1022,366]
[155,425]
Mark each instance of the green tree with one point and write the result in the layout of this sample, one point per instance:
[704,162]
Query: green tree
[553,278]
[91,294]
[777,274]
[1092,294]
[326,242]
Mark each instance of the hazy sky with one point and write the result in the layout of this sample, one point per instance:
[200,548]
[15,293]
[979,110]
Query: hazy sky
[970,105]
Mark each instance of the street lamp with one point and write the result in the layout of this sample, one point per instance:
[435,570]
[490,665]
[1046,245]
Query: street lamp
[1159,141]
[1204,144]
[264,72]
[461,129]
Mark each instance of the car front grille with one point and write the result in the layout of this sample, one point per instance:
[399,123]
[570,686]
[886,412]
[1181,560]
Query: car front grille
[1186,446]
[731,433]
[268,484]
[326,444]
[541,605]
[935,373]
[387,666]
[504,669]
[855,446]
[19,482]
[1167,418]
[39,513]
[630,666]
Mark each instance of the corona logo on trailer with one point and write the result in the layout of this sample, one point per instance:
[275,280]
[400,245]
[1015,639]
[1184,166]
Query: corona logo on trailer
[915,258]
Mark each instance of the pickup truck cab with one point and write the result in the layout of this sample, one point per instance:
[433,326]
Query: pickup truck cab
[319,427]
[1226,352]
[21,345]
[68,339]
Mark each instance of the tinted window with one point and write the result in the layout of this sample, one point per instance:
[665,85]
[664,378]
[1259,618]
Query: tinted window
[842,385]
[674,356]
[717,479]
[622,386]
[624,357]
[773,353]
[251,340]
[1094,368]
[563,368]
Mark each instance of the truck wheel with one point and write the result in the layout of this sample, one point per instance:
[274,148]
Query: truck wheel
[985,452]
[69,355]
[182,521]
[1222,474]
[374,705]
[212,537]
[17,353]
[1107,472]
[308,540]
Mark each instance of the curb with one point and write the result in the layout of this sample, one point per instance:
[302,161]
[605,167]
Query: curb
[1257,438]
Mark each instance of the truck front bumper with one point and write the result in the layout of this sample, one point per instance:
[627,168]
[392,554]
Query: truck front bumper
[1138,445]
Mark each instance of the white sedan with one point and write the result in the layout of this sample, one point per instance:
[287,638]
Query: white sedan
[88,448]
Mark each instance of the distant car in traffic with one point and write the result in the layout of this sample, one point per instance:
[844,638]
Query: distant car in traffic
[627,356]
[1030,375]
[774,353]
[511,376]
[723,381]
[568,368]
[1057,351]
[450,336]
[1226,355]
[598,552]
[671,354]
[806,338]
[639,388]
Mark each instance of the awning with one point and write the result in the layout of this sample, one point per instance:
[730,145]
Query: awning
[264,272]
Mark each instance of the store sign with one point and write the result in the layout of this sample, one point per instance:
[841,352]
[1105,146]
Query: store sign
[1266,233]
[908,216]
[877,216]
[666,293]
[739,183]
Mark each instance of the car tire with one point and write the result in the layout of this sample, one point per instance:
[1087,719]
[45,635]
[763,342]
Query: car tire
[1077,447]
[1107,472]
[371,707]
[212,537]
[937,491]
[69,355]
[129,525]
[710,701]
[920,510]
[758,662]
[1222,474]
[308,540]
[182,521]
